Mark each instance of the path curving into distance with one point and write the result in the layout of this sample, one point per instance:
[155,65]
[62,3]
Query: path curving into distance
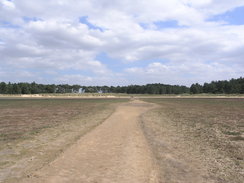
[115,151]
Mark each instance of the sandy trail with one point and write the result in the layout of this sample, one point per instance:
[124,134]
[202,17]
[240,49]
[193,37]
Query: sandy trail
[115,151]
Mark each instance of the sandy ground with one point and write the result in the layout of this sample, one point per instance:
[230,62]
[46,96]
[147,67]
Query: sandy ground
[115,151]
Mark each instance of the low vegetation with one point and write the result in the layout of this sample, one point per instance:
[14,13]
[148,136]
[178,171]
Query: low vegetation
[193,137]
[233,86]
[34,131]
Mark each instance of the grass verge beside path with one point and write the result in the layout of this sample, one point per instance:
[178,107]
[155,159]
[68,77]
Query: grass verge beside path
[197,137]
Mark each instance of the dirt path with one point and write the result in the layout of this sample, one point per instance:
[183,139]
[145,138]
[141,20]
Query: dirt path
[115,151]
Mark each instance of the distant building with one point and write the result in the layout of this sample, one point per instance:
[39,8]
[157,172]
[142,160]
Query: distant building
[81,90]
[100,91]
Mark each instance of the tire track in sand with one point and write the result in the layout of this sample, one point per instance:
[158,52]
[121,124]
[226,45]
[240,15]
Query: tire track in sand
[116,151]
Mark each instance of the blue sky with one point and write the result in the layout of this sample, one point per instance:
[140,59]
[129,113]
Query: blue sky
[84,20]
[102,42]
[231,17]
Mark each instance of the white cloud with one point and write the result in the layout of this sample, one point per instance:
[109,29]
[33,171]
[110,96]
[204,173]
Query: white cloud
[47,36]
[177,73]
[7,4]
[74,79]
[64,34]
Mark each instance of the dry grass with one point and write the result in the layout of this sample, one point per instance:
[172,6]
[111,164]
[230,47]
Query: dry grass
[20,118]
[202,137]
[34,131]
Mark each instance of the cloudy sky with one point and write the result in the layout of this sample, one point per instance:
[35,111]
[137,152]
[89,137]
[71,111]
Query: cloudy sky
[121,42]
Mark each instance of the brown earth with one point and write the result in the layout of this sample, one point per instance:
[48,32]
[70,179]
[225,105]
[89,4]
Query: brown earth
[115,151]
[34,132]
[197,140]
[172,141]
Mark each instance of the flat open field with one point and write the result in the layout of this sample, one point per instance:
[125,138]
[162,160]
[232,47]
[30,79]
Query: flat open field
[197,140]
[34,131]
[168,140]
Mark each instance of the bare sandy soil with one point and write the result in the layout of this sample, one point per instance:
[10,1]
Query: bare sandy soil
[115,151]
[169,141]
[197,140]
[34,132]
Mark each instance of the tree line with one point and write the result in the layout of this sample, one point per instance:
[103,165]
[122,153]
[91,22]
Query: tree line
[34,88]
[232,86]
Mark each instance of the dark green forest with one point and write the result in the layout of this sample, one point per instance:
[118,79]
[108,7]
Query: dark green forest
[233,86]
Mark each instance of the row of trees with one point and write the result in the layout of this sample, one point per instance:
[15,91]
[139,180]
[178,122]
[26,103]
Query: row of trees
[216,87]
[233,86]
[139,89]
[34,88]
